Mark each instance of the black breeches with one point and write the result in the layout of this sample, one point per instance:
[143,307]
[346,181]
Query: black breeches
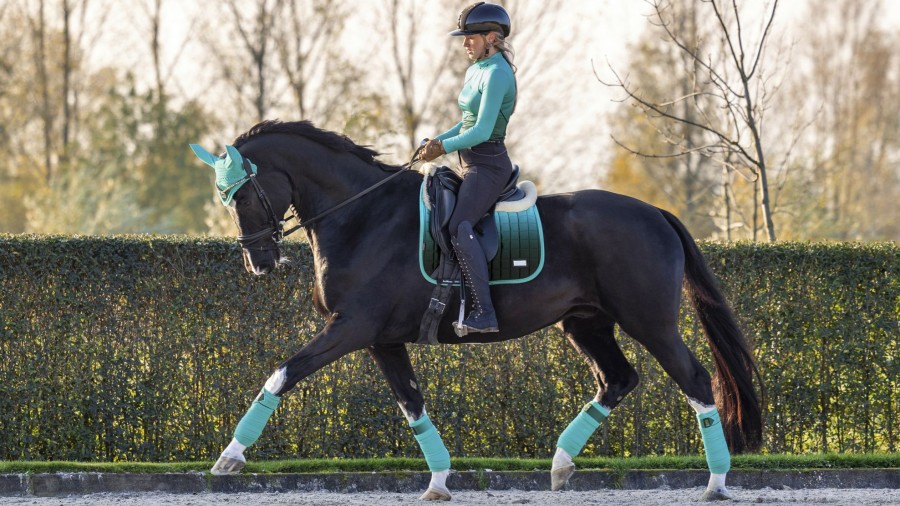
[486,170]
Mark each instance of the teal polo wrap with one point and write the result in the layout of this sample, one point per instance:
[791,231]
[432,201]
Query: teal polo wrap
[717,456]
[252,424]
[576,435]
[436,455]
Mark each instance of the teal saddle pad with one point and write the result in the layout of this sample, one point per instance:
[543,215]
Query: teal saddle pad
[520,257]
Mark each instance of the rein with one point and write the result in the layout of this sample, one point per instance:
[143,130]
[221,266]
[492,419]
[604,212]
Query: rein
[276,226]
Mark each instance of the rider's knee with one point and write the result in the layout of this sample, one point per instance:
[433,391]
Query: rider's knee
[460,228]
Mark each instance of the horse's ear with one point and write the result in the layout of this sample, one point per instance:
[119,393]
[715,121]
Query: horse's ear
[236,159]
[207,157]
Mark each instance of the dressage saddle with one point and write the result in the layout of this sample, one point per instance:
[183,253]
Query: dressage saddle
[442,188]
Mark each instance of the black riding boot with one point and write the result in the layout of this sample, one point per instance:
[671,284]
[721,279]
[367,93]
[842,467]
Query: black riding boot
[475,271]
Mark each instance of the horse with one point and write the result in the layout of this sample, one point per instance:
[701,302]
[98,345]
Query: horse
[610,260]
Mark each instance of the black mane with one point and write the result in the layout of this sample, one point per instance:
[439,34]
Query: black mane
[332,140]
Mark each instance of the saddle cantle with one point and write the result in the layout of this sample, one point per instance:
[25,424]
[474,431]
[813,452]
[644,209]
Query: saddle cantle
[510,234]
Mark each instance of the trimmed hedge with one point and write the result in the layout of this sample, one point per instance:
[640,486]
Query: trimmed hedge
[150,349]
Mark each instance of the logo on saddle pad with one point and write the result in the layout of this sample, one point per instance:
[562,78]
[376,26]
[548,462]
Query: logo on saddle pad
[519,249]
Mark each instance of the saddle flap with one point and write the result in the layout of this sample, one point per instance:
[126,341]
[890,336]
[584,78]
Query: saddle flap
[442,188]
[488,236]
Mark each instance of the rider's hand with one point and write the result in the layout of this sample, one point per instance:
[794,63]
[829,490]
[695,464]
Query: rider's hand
[432,150]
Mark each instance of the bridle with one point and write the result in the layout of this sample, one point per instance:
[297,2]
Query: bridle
[276,231]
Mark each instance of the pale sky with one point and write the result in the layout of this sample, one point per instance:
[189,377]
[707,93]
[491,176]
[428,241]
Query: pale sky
[607,27]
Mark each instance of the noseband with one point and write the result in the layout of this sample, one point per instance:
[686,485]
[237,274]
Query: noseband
[276,231]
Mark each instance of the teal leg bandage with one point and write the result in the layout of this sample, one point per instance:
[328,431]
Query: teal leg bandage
[253,423]
[576,435]
[436,454]
[717,456]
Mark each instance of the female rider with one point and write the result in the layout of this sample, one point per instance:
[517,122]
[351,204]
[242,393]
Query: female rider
[487,101]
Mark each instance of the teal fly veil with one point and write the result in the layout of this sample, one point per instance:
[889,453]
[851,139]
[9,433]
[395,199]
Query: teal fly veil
[230,173]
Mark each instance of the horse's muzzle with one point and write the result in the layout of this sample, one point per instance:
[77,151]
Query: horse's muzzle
[261,261]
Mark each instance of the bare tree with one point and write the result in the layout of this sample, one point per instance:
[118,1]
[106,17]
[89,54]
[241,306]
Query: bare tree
[153,12]
[67,13]
[247,62]
[58,57]
[288,59]
[675,176]
[727,109]
[426,69]
[322,78]
[542,43]
[7,49]
[419,78]
[852,80]
[39,29]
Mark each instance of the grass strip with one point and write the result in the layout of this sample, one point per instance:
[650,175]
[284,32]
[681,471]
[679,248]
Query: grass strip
[749,462]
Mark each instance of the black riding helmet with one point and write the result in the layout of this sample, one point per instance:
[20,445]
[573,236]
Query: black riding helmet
[482,17]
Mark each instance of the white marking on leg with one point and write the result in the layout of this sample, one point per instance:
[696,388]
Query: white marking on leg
[716,487]
[439,481]
[604,406]
[699,407]
[561,459]
[276,381]
[716,482]
[235,450]
[409,416]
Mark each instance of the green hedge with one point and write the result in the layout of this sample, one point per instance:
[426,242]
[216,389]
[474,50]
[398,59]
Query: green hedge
[151,348]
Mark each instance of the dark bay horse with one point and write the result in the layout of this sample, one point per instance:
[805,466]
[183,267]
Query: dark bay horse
[610,260]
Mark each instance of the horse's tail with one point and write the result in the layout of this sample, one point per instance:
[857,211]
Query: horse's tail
[735,368]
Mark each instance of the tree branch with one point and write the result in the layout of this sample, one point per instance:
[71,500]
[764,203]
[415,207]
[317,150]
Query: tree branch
[762,41]
[714,75]
[664,114]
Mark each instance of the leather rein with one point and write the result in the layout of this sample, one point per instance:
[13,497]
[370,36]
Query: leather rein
[276,231]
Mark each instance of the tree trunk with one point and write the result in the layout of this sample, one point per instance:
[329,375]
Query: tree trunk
[761,161]
[67,79]
[46,115]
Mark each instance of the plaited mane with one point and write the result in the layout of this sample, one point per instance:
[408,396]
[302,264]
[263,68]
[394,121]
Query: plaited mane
[331,140]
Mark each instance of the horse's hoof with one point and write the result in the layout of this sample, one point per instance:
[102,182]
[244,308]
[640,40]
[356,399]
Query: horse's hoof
[715,495]
[227,465]
[559,477]
[434,494]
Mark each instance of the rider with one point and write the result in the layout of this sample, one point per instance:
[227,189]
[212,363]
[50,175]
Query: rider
[487,100]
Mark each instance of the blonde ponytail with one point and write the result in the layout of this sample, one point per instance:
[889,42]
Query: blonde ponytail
[506,49]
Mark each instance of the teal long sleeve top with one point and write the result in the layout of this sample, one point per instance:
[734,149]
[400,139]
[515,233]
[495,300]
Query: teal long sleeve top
[487,101]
